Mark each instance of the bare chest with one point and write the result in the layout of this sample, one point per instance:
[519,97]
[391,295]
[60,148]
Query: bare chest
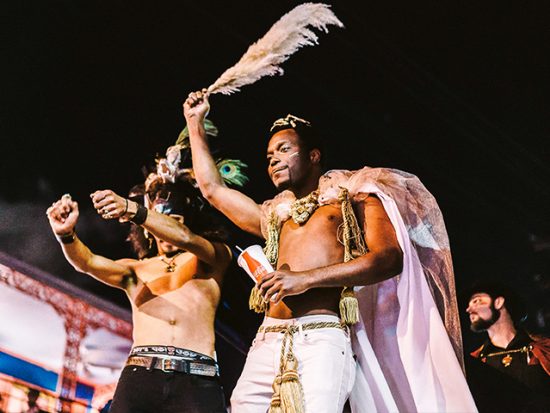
[167,273]
[170,279]
[313,243]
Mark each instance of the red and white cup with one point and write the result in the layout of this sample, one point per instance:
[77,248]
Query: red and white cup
[254,262]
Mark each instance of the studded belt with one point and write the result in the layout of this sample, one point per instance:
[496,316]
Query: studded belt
[172,364]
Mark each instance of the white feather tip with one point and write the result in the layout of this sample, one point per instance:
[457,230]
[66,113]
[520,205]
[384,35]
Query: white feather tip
[286,36]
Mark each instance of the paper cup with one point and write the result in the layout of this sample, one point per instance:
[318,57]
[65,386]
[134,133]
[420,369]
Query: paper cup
[254,262]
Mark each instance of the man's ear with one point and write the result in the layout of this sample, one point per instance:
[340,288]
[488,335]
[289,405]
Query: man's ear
[315,156]
[499,302]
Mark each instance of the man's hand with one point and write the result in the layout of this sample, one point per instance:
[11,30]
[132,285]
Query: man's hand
[282,283]
[63,215]
[196,107]
[110,205]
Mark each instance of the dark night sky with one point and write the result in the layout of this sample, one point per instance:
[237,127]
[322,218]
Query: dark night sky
[455,93]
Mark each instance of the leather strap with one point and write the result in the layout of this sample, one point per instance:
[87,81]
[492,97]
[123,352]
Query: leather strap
[169,365]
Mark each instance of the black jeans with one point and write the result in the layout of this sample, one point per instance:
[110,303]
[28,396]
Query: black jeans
[153,391]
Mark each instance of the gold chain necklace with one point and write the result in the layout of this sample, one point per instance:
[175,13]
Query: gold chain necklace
[303,208]
[507,360]
[171,265]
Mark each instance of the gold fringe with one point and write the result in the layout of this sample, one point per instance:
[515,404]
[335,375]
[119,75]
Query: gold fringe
[291,393]
[288,394]
[256,301]
[349,306]
[354,246]
[275,405]
[271,249]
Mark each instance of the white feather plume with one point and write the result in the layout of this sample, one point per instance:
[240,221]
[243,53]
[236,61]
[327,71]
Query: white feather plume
[284,38]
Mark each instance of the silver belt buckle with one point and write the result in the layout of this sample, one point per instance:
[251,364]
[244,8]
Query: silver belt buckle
[164,368]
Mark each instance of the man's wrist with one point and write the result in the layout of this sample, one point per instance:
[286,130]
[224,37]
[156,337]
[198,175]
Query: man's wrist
[131,210]
[140,215]
[67,238]
[196,123]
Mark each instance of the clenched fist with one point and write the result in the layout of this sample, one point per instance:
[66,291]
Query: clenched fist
[63,215]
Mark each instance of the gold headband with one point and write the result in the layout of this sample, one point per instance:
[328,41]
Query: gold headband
[289,121]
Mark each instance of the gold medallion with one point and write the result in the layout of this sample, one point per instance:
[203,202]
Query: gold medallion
[507,360]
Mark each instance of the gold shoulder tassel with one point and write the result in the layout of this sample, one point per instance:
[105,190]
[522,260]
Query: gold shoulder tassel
[271,249]
[354,245]
[256,302]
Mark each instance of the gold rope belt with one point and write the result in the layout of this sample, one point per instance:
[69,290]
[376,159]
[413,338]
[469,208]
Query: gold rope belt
[293,328]
[288,365]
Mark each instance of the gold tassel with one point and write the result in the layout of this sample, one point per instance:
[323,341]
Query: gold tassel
[349,306]
[271,249]
[291,393]
[275,405]
[352,237]
[256,301]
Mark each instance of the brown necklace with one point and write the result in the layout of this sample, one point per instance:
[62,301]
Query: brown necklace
[171,265]
[303,208]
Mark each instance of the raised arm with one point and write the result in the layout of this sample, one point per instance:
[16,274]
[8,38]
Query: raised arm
[112,206]
[63,216]
[236,206]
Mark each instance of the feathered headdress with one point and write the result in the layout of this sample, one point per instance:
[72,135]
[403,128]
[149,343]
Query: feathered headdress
[285,37]
[169,170]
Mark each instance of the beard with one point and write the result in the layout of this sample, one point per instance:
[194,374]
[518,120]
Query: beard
[481,325]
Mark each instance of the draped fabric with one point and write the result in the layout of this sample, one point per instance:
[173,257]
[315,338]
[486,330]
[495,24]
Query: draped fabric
[408,342]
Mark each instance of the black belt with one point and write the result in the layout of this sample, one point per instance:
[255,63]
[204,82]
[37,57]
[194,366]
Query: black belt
[169,365]
[154,350]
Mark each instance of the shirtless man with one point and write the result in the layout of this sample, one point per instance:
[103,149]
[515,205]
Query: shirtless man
[304,291]
[173,294]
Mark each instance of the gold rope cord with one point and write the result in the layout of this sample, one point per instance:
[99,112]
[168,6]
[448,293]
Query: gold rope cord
[354,246]
[256,301]
[287,390]
[271,249]
[524,349]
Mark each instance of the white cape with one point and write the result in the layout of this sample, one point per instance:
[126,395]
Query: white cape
[408,343]
[403,320]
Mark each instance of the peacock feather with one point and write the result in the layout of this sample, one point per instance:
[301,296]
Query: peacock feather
[231,171]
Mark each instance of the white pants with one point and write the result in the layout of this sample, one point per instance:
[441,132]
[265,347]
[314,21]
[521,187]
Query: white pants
[325,364]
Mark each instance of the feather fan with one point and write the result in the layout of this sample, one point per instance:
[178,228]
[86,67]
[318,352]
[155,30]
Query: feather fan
[284,38]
